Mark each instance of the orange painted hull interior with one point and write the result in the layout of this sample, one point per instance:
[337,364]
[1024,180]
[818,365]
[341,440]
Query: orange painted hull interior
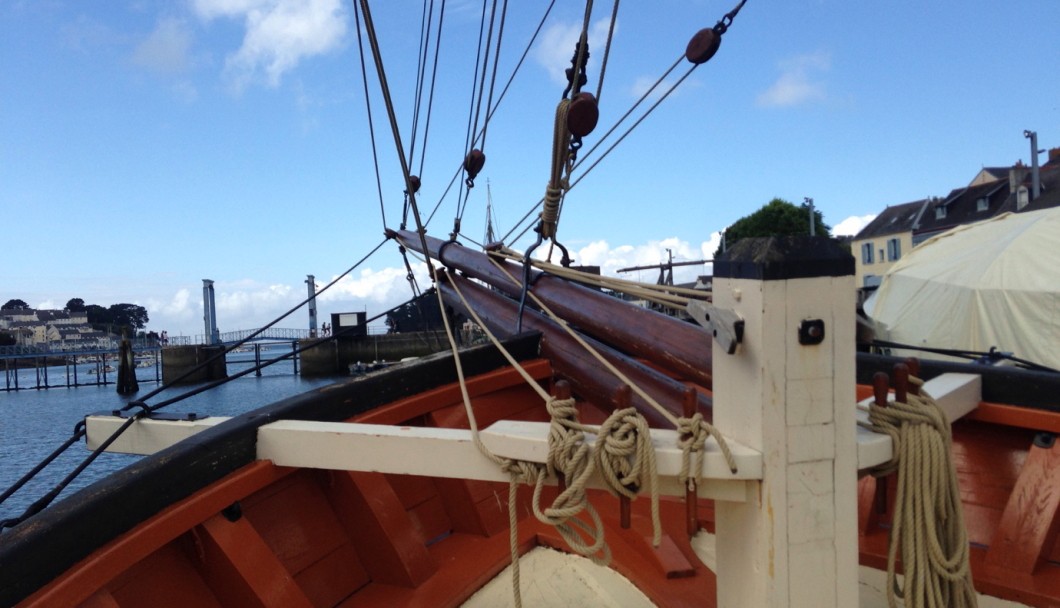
[349,539]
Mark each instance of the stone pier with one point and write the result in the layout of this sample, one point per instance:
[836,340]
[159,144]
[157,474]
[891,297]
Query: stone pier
[178,360]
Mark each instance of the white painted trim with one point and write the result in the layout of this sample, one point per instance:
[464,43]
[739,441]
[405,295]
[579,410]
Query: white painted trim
[956,394]
[145,436]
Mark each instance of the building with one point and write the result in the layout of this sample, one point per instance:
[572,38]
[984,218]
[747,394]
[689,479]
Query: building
[993,191]
[56,328]
[880,244]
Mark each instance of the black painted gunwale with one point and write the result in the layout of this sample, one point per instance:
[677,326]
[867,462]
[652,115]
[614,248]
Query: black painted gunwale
[1001,384]
[44,546]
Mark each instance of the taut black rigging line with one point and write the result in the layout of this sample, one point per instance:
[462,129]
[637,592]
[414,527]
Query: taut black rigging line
[434,79]
[718,30]
[425,37]
[143,409]
[374,41]
[489,102]
[371,127]
[500,98]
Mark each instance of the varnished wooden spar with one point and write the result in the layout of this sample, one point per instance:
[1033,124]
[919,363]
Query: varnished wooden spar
[664,341]
[590,379]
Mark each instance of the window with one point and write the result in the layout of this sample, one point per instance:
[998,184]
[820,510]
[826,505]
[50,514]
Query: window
[982,204]
[894,249]
[866,253]
[940,212]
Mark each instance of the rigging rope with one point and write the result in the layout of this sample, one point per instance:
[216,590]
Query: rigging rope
[434,79]
[928,524]
[143,409]
[500,99]
[374,41]
[371,122]
[719,29]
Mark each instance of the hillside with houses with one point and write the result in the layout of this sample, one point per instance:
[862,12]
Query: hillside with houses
[59,329]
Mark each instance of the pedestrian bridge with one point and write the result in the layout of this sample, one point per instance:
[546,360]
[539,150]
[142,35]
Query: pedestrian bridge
[271,334]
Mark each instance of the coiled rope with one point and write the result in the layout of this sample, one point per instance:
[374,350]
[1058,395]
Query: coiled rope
[928,526]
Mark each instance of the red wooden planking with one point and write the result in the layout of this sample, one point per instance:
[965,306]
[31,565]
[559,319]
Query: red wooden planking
[100,599]
[297,523]
[430,519]
[382,533]
[1030,522]
[240,567]
[335,577]
[412,490]
[166,578]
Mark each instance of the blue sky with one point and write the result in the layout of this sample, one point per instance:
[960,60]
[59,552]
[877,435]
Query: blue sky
[147,145]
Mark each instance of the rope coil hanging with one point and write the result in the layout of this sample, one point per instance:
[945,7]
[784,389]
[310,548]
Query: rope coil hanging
[928,526]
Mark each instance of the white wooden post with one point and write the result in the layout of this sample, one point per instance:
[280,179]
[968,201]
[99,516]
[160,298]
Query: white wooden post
[795,543]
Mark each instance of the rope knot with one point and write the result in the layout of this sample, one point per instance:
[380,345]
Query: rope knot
[522,471]
[625,457]
[694,432]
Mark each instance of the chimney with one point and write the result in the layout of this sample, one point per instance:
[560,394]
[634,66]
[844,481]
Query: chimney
[1054,155]
[1016,175]
[1036,182]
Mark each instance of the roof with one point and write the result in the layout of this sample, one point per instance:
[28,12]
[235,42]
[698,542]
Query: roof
[893,220]
[962,206]
[51,315]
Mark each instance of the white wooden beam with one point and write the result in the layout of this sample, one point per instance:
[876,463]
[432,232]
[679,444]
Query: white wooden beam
[437,452]
[145,436]
[956,394]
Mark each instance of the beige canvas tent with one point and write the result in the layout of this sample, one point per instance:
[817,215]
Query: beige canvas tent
[994,283]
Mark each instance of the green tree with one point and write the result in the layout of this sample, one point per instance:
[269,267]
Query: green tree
[7,339]
[14,305]
[778,218]
[75,305]
[128,315]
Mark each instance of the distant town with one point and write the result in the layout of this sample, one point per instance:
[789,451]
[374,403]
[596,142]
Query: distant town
[76,327]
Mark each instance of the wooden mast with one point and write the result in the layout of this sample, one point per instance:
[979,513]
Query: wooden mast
[662,340]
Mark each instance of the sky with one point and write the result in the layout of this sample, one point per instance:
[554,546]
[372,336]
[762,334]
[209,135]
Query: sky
[148,145]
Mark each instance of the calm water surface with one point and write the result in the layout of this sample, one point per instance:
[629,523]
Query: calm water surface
[33,423]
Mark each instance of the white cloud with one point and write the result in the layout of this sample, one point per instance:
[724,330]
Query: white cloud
[610,259]
[798,82]
[852,225]
[279,34]
[166,49]
[556,47]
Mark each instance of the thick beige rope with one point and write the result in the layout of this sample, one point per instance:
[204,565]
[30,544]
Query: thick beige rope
[625,456]
[700,428]
[572,457]
[673,297]
[928,526]
[557,185]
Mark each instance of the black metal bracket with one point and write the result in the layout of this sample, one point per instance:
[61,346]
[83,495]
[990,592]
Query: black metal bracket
[811,331]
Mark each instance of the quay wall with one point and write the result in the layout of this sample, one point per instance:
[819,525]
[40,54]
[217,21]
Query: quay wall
[335,357]
[178,360]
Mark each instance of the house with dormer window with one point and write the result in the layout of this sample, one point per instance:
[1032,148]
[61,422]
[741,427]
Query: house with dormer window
[993,191]
[880,244]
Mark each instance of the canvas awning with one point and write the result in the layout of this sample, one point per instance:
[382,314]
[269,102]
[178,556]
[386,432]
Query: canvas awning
[995,283]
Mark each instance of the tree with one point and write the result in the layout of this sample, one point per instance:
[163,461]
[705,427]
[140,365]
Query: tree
[129,315]
[778,218]
[15,305]
[75,305]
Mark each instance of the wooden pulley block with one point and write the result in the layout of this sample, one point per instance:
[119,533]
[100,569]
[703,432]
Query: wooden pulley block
[414,182]
[474,163]
[582,114]
[702,46]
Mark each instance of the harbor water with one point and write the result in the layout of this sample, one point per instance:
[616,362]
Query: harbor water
[33,423]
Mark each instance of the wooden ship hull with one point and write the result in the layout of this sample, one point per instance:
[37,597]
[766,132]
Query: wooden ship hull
[369,492]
